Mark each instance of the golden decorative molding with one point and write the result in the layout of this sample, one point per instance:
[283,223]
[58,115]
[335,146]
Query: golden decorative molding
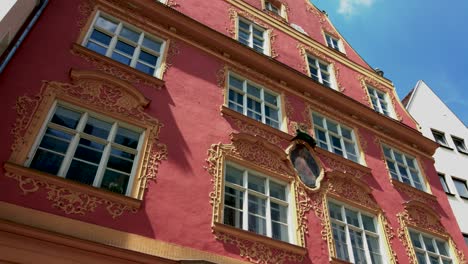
[98,92]
[366,80]
[415,194]
[260,253]
[350,190]
[172,3]
[253,127]
[255,152]
[234,13]
[308,50]
[420,217]
[312,9]
[74,198]
[390,234]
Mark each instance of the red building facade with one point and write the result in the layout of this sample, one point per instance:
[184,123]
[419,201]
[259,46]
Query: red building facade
[164,132]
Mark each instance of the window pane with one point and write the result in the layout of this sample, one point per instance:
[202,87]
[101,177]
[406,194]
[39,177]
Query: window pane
[89,151]
[46,161]
[352,217]
[119,163]
[279,213]
[234,175]
[97,128]
[56,140]
[151,44]
[97,48]
[100,37]
[279,231]
[278,191]
[148,58]
[257,224]
[125,48]
[233,198]
[115,182]
[127,138]
[252,90]
[415,240]
[442,248]
[129,34]
[460,185]
[82,172]
[428,243]
[335,211]
[66,117]
[106,24]
[357,245]
[121,58]
[368,223]
[339,236]
[270,98]
[256,183]
[235,82]
[145,68]
[374,248]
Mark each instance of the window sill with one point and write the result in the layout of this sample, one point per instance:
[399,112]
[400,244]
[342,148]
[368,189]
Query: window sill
[72,185]
[234,114]
[462,152]
[339,52]
[129,74]
[445,147]
[242,234]
[464,198]
[411,191]
[450,194]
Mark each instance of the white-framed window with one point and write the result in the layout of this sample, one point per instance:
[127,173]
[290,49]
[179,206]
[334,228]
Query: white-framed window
[439,137]
[336,138]
[355,234]
[333,42]
[320,71]
[89,148]
[460,144]
[429,249]
[125,44]
[461,187]
[252,35]
[380,101]
[403,167]
[257,203]
[254,101]
[443,182]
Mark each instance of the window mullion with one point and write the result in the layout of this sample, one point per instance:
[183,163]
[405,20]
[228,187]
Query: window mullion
[73,145]
[114,40]
[269,230]
[136,54]
[348,236]
[263,109]
[245,206]
[244,87]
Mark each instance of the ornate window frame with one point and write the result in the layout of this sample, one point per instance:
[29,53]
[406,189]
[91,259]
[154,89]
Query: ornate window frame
[100,93]
[341,47]
[353,191]
[283,9]
[90,8]
[255,153]
[388,100]
[236,14]
[418,216]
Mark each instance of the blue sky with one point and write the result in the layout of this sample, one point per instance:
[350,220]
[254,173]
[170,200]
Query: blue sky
[410,40]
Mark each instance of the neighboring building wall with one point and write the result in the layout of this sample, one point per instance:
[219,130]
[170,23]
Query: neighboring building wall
[13,14]
[433,114]
[174,209]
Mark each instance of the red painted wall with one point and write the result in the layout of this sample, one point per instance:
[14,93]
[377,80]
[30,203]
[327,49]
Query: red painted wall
[176,207]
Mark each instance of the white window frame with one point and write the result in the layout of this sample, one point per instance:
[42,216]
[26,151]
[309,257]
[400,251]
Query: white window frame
[320,71]
[361,228]
[377,106]
[443,139]
[252,26]
[424,249]
[461,181]
[328,134]
[271,7]
[338,46]
[443,182]
[138,46]
[245,95]
[246,191]
[462,141]
[78,134]
[404,165]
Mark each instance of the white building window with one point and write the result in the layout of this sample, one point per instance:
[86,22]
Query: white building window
[429,249]
[461,187]
[460,144]
[88,148]
[320,71]
[443,182]
[333,43]
[380,101]
[257,203]
[335,137]
[439,137]
[125,44]
[355,235]
[252,35]
[403,167]
[254,101]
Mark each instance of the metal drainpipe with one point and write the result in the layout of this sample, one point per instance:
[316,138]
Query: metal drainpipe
[23,35]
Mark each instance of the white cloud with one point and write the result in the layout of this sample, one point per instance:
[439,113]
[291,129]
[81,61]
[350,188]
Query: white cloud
[349,7]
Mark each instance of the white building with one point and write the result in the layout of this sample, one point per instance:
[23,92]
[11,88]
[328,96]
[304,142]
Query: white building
[13,14]
[439,123]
